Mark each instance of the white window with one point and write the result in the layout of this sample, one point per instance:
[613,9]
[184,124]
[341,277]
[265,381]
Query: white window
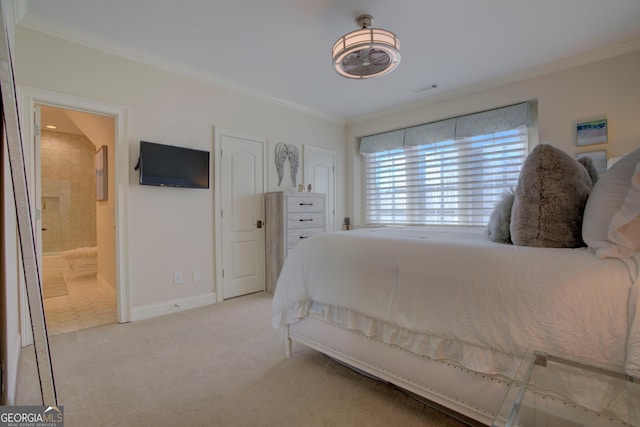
[428,179]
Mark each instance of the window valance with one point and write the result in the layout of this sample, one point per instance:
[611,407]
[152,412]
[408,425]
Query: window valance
[430,133]
[382,142]
[483,123]
[493,121]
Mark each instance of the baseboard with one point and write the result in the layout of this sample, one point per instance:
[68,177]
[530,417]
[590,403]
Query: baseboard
[106,286]
[154,310]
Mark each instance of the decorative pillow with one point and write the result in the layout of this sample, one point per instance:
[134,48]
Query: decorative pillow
[624,229]
[587,162]
[549,202]
[613,190]
[500,219]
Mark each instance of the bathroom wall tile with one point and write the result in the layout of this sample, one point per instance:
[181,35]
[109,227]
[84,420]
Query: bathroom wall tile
[68,176]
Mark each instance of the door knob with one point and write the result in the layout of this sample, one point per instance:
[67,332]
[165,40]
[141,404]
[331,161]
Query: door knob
[259,224]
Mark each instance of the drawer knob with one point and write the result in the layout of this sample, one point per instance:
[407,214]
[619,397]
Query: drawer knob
[306,204]
[303,237]
[308,219]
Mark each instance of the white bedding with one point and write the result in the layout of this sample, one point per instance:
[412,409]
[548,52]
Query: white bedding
[449,293]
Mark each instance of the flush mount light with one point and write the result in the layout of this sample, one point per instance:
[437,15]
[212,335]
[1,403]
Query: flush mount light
[367,52]
[51,127]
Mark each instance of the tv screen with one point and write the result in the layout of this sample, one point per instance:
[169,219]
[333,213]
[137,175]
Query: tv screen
[171,166]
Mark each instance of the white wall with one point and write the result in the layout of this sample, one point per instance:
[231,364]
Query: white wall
[169,229]
[605,89]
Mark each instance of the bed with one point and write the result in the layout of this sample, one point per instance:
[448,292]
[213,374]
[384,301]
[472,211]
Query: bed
[448,315]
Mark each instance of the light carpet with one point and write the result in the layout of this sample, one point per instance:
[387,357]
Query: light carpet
[53,284]
[221,365]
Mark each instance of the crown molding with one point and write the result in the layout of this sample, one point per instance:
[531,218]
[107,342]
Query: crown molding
[598,55]
[72,35]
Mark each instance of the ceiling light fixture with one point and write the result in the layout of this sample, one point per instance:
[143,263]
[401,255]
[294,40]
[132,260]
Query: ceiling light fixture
[367,52]
[51,127]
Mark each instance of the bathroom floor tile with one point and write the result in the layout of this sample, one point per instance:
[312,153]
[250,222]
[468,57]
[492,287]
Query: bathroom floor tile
[87,305]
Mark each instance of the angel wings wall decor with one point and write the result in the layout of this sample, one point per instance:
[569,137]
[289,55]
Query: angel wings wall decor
[284,152]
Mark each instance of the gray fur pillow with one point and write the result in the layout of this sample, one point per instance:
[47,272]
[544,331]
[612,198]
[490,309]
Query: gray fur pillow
[587,162]
[549,202]
[500,219]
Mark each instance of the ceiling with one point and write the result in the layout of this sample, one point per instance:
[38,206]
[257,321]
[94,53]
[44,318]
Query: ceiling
[58,118]
[281,49]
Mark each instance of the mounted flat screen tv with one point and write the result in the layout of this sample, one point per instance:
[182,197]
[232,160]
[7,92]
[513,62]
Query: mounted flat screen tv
[171,166]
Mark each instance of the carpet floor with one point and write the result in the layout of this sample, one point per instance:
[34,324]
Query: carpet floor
[221,365]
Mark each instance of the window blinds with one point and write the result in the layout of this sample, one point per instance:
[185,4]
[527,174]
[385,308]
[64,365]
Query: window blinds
[438,178]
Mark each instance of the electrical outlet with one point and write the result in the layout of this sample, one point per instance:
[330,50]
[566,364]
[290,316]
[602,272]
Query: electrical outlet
[197,275]
[177,277]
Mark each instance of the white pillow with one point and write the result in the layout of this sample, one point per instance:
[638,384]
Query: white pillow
[606,199]
[624,229]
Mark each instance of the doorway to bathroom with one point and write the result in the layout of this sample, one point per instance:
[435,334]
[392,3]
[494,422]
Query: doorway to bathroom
[76,217]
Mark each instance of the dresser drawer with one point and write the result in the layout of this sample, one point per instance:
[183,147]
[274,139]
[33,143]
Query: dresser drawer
[305,220]
[305,204]
[296,236]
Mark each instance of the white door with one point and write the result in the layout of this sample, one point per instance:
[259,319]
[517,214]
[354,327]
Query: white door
[27,335]
[242,215]
[319,171]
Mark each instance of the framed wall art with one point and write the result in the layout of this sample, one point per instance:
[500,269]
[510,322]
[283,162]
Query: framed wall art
[102,182]
[594,132]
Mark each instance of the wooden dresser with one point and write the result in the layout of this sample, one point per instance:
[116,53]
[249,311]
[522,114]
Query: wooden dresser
[290,218]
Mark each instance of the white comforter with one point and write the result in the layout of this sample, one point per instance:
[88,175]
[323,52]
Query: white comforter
[449,293]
